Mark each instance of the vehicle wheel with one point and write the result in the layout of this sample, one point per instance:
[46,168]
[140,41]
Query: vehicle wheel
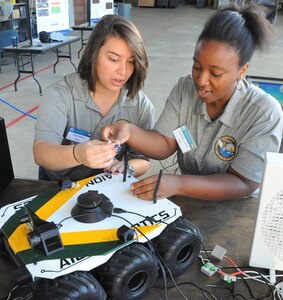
[2,245]
[3,250]
[129,273]
[74,286]
[179,245]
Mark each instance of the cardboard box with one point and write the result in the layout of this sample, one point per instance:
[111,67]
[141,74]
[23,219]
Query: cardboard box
[150,3]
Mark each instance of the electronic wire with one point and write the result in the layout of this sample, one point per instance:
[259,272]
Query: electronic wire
[119,210]
[163,262]
[244,275]
[168,224]
[173,164]
[240,274]
[203,290]
[156,251]
[26,297]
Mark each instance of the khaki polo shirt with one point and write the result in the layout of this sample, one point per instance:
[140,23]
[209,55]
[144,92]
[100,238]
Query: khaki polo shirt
[68,104]
[251,125]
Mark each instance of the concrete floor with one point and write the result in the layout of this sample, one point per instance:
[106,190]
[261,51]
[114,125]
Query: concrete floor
[169,36]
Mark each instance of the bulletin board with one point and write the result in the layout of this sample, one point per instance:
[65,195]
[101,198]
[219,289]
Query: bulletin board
[52,15]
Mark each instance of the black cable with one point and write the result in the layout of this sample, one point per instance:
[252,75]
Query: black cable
[159,258]
[150,219]
[150,242]
[28,296]
[267,295]
[163,262]
[174,162]
[203,290]
[248,287]
[163,272]
[200,241]
[120,210]
[267,283]
[221,287]
[239,295]
[205,296]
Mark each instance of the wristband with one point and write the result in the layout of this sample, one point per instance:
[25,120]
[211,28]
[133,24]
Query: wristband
[75,154]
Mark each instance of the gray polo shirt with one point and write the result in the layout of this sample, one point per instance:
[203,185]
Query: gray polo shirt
[250,126]
[68,104]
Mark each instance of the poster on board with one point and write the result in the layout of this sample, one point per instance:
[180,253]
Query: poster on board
[52,15]
[100,8]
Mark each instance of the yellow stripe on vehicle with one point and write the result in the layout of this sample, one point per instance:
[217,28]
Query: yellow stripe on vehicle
[86,237]
[18,239]
[99,236]
[60,199]
[19,242]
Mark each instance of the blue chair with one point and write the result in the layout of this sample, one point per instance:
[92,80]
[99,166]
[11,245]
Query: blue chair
[5,40]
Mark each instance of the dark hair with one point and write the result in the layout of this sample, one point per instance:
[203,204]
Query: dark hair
[244,28]
[116,26]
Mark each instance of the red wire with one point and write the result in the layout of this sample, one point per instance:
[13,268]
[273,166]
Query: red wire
[231,261]
[234,264]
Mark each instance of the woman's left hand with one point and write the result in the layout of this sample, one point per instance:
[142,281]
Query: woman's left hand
[144,189]
[116,168]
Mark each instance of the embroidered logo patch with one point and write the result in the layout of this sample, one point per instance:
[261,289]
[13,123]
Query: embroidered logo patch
[225,148]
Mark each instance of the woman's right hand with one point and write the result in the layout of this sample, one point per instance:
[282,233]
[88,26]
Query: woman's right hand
[117,132]
[96,154]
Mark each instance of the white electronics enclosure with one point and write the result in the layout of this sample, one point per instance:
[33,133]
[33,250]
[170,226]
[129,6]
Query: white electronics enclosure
[267,247]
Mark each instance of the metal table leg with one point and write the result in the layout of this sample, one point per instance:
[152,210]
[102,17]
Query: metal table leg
[20,68]
[59,55]
[82,43]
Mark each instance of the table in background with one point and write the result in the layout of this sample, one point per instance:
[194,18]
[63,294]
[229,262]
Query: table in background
[40,48]
[82,28]
[229,224]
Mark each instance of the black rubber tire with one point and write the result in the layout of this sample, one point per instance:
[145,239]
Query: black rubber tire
[3,251]
[129,273]
[74,286]
[2,244]
[179,245]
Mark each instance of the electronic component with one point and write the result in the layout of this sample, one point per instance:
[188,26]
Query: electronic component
[208,269]
[92,207]
[228,278]
[125,234]
[218,252]
[66,183]
[43,234]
